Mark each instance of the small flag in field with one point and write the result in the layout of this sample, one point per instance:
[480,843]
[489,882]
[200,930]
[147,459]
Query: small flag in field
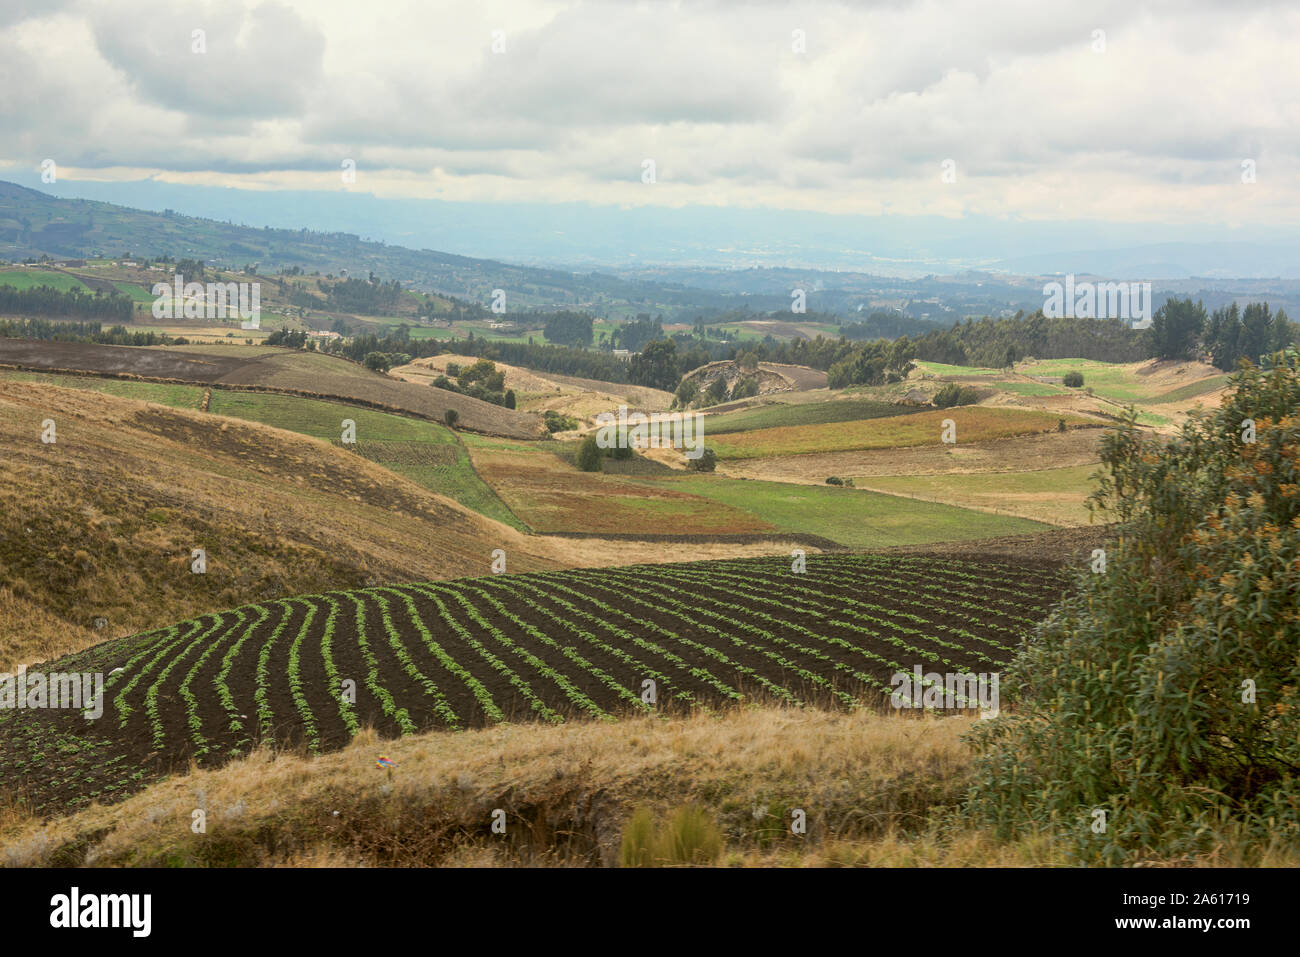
[384,762]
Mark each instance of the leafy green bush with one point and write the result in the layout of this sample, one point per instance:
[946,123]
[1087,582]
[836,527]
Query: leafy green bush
[451,417]
[590,455]
[954,394]
[1166,693]
[555,422]
[707,462]
[834,480]
[1074,380]
[745,388]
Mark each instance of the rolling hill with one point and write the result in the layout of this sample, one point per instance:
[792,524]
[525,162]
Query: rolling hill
[273,369]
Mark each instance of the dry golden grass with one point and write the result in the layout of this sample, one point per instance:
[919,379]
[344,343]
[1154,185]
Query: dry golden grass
[1075,447]
[101,524]
[878,790]
[566,790]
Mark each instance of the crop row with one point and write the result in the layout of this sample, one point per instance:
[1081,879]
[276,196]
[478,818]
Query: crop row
[314,670]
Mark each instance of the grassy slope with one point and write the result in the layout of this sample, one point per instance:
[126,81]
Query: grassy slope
[1054,495]
[30,278]
[391,440]
[175,396]
[1120,383]
[382,437]
[551,495]
[974,423]
[781,414]
[101,523]
[852,517]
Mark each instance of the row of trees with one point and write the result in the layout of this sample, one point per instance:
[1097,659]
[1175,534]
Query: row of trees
[361,296]
[48,301]
[1180,329]
[91,332]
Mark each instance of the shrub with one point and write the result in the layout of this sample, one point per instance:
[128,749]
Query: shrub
[509,402]
[590,455]
[745,388]
[686,393]
[1133,697]
[555,422]
[1074,379]
[953,394]
[690,837]
[376,361]
[453,369]
[834,480]
[1060,425]
[451,417]
[637,849]
[707,462]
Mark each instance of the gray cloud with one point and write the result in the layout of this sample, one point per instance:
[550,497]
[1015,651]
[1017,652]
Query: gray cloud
[257,61]
[1012,91]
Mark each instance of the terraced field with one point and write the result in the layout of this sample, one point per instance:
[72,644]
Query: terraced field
[548,646]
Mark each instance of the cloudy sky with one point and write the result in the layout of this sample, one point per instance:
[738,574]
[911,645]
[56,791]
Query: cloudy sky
[1115,111]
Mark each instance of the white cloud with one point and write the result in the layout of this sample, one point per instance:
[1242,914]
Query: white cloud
[1038,124]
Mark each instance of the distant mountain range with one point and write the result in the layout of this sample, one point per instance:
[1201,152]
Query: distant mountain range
[35,223]
[610,239]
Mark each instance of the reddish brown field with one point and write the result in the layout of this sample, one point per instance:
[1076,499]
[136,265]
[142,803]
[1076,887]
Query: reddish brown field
[551,495]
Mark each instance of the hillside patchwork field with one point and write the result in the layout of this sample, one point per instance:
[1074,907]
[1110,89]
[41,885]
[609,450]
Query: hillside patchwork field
[262,367]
